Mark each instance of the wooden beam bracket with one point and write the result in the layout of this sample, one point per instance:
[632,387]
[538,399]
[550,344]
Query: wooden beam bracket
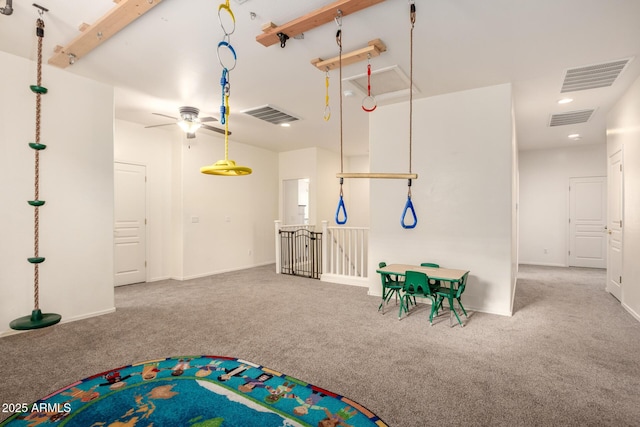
[311,20]
[123,14]
[374,48]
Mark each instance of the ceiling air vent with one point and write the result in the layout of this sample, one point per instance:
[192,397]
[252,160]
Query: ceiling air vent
[270,114]
[593,76]
[571,117]
[389,82]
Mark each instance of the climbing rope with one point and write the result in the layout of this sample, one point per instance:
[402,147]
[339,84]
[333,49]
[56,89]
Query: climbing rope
[408,207]
[37,319]
[36,211]
[341,210]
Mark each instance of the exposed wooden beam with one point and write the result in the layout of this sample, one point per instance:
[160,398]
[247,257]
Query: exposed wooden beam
[312,20]
[123,14]
[378,175]
[374,48]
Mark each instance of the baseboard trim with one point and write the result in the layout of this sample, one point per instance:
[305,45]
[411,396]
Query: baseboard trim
[10,332]
[631,312]
[544,264]
[345,280]
[228,270]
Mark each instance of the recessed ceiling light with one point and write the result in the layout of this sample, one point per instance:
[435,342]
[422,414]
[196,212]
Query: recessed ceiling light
[565,100]
[574,136]
[285,125]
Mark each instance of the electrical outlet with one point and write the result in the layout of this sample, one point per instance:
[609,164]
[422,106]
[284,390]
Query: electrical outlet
[546,251]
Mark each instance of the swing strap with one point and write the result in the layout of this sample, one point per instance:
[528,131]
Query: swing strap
[408,207]
[341,210]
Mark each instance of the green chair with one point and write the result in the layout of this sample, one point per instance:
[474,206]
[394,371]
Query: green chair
[435,284]
[417,284]
[391,285]
[451,293]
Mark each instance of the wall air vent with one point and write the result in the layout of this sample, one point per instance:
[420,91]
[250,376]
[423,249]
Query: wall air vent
[593,76]
[270,114]
[570,118]
[386,83]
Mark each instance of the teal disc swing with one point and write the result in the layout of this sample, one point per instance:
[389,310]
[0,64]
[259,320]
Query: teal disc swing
[37,319]
[409,212]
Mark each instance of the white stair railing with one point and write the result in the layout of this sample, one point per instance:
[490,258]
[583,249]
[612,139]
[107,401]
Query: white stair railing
[344,258]
[344,252]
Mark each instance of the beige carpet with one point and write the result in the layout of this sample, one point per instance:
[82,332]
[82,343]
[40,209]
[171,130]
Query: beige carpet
[569,356]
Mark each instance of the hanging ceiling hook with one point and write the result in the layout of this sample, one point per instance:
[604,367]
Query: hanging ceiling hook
[41,10]
[8,9]
[338,18]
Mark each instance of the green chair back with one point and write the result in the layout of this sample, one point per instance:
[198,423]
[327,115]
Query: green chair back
[430,264]
[462,285]
[417,283]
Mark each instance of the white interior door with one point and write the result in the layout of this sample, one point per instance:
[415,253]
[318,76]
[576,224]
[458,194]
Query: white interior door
[587,222]
[129,223]
[614,226]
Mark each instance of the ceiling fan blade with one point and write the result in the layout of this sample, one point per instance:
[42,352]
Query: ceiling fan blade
[164,115]
[208,119]
[214,129]
[155,126]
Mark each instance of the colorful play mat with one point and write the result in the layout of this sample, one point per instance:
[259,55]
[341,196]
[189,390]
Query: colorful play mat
[193,391]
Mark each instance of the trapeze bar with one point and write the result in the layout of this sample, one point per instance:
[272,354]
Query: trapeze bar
[378,175]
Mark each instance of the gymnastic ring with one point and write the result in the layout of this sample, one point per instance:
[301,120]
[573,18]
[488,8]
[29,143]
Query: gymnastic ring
[233,52]
[233,18]
[373,99]
[327,113]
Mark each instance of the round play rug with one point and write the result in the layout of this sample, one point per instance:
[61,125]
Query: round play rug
[192,391]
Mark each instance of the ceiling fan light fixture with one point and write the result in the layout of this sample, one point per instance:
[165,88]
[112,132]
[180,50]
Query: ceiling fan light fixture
[189,126]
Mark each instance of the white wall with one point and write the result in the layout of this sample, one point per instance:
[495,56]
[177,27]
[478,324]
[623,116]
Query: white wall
[544,199]
[235,213]
[623,131]
[76,181]
[153,149]
[463,154]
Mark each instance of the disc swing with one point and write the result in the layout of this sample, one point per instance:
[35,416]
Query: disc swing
[37,319]
[341,211]
[226,167]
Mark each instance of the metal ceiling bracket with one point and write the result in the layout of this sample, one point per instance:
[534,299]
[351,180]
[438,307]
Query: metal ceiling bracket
[283,39]
[8,9]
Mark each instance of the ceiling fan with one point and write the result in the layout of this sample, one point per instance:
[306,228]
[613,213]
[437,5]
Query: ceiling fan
[189,121]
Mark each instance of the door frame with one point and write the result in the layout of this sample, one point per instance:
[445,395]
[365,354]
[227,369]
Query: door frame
[569,211]
[609,219]
[146,211]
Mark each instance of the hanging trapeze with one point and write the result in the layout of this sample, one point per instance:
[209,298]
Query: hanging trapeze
[37,319]
[408,207]
[226,167]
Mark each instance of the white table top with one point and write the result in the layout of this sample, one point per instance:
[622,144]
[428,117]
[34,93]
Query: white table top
[448,274]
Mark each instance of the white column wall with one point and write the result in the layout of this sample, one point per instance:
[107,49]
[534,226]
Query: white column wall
[544,199]
[463,154]
[623,130]
[76,182]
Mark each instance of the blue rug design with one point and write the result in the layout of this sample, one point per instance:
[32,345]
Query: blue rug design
[192,391]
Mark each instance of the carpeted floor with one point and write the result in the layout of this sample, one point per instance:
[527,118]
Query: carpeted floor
[570,354]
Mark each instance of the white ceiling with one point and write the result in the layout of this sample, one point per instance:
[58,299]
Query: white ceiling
[167,59]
